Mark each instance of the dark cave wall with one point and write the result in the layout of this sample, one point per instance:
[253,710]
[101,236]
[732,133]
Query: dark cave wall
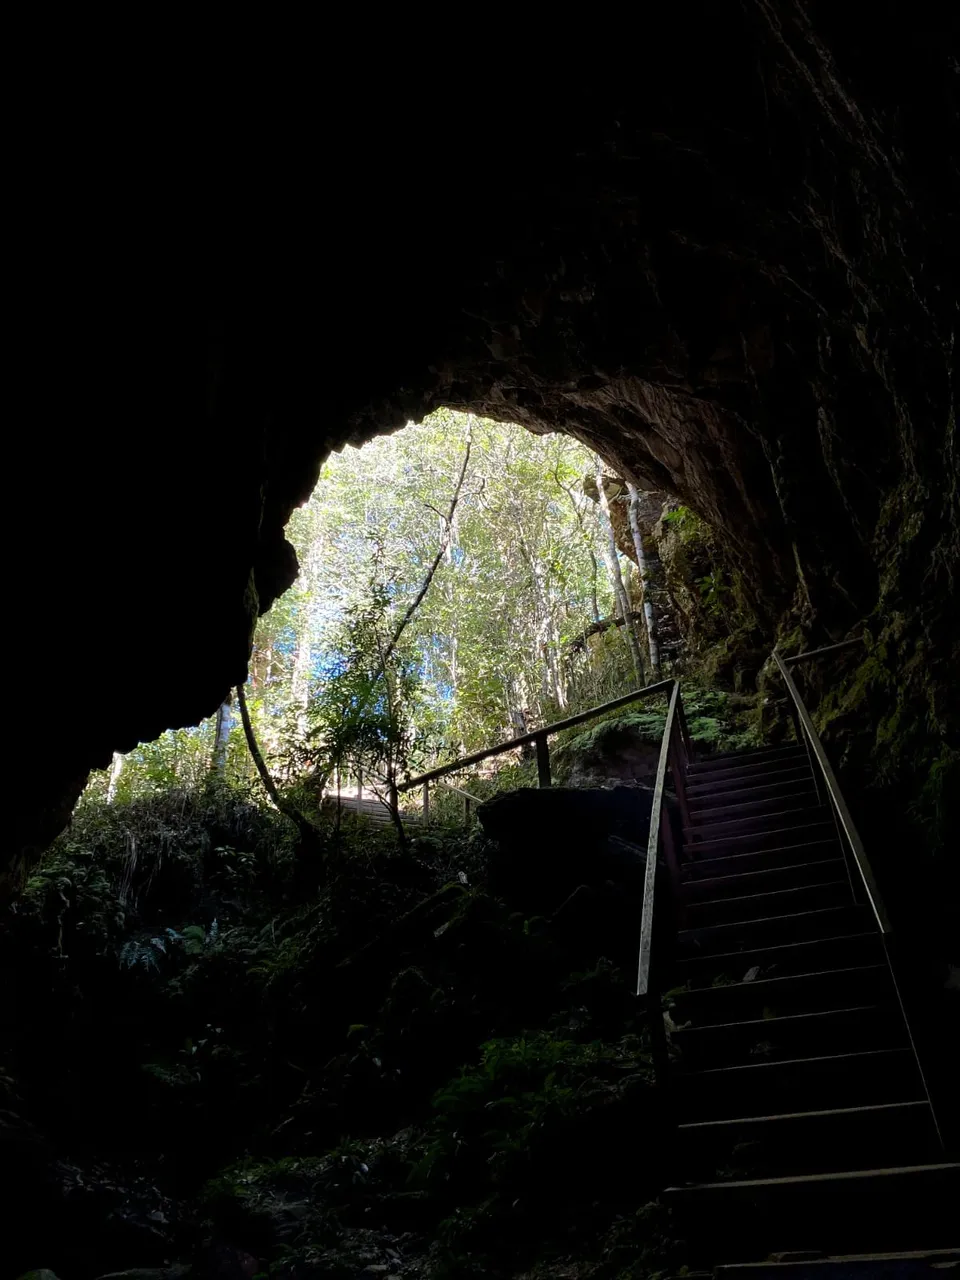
[734,276]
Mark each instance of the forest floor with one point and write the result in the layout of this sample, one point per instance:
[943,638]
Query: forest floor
[232,1055]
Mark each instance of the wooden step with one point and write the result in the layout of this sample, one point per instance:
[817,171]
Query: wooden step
[809,1141]
[782,960]
[795,993]
[799,1084]
[762,879]
[760,859]
[792,1036]
[875,1209]
[753,782]
[728,908]
[739,753]
[731,796]
[709,845]
[768,931]
[724,809]
[932,1263]
[749,755]
[746,770]
[791,814]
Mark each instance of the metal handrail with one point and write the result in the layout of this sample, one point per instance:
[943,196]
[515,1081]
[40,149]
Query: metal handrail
[806,732]
[657,815]
[843,815]
[469,799]
[467,795]
[827,648]
[538,736]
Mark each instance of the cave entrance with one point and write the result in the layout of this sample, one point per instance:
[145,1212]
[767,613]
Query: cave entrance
[492,572]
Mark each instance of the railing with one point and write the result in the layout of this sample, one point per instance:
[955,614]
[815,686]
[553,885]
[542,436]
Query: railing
[859,871]
[539,737]
[469,800]
[827,788]
[675,753]
[827,648]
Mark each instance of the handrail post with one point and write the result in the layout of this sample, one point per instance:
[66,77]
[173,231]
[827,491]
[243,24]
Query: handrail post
[426,803]
[359,790]
[543,760]
[466,811]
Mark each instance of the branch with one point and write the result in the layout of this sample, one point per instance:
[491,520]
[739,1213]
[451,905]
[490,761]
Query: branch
[425,586]
[595,628]
[258,759]
[303,826]
[387,652]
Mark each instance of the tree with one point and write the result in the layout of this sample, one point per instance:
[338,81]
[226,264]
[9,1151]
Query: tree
[643,569]
[116,768]
[221,736]
[612,558]
[473,547]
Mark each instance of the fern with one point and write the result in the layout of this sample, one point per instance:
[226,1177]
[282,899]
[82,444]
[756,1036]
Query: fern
[137,953]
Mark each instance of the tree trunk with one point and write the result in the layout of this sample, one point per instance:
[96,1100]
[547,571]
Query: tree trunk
[258,760]
[594,600]
[594,568]
[447,531]
[300,682]
[616,579]
[596,629]
[645,583]
[116,768]
[221,737]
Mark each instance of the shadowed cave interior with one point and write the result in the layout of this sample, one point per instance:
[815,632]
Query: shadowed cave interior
[735,280]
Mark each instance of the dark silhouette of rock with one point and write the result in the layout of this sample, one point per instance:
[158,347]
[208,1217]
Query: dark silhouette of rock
[732,273]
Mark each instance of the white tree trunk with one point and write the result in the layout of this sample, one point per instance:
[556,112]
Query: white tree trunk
[116,768]
[644,570]
[616,579]
[222,736]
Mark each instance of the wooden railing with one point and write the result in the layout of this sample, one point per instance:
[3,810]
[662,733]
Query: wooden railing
[539,737]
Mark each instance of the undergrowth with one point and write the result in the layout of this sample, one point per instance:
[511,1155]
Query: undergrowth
[323,1058]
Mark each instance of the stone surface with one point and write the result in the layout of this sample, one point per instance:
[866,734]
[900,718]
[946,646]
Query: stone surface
[551,841]
[731,273]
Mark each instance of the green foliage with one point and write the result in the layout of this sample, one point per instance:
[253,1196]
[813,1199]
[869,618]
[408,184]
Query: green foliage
[712,592]
[236,1023]
[485,652]
[685,521]
[712,722]
[362,713]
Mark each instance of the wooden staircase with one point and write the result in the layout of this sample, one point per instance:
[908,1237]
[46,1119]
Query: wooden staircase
[804,1126]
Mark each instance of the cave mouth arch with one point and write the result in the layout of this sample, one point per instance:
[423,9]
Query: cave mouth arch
[729,281]
[486,544]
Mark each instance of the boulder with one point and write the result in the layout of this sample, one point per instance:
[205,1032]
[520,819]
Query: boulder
[550,840]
